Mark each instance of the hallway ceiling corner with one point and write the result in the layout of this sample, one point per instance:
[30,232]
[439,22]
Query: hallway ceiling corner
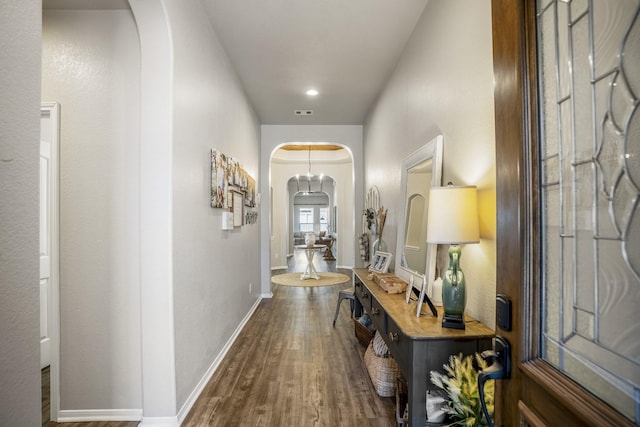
[344,49]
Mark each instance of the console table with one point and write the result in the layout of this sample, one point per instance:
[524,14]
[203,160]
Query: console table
[419,345]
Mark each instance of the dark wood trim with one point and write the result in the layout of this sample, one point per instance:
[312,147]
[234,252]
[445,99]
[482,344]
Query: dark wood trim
[530,416]
[510,109]
[584,405]
[534,302]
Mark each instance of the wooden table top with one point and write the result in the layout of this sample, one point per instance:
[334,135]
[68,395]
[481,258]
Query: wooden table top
[427,327]
[310,246]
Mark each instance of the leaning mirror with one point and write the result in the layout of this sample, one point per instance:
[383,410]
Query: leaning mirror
[421,171]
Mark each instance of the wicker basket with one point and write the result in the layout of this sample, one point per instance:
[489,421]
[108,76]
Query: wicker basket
[382,371]
[363,334]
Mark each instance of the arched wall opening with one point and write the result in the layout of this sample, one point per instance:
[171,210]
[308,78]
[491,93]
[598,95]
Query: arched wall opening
[135,298]
[289,170]
[271,138]
[311,208]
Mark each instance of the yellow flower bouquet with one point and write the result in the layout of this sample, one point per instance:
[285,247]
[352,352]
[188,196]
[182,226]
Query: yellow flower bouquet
[460,383]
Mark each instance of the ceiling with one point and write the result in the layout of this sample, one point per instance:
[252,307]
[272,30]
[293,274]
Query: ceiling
[346,49]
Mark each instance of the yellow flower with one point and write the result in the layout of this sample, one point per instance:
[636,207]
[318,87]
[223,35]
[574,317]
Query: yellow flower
[461,386]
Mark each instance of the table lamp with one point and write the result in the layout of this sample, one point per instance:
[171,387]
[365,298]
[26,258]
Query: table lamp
[452,219]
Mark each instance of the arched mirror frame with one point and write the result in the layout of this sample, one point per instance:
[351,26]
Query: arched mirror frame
[373,199]
[431,150]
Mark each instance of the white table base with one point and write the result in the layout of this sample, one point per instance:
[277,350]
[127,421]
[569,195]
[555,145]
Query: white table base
[310,272]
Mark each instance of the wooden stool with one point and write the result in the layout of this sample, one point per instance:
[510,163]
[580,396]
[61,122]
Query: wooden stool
[349,294]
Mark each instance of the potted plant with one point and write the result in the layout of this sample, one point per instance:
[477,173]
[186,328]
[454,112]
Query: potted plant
[460,383]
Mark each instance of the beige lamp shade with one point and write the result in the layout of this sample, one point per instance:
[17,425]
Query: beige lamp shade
[452,216]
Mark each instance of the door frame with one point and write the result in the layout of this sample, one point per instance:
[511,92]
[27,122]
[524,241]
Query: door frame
[537,394]
[52,110]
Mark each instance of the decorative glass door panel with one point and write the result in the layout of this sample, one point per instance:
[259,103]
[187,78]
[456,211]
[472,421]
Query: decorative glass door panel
[589,65]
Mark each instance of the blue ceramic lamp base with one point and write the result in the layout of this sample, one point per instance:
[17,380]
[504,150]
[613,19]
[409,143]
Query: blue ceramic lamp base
[453,322]
[454,297]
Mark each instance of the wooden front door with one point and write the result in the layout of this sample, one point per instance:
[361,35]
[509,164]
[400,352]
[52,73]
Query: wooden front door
[539,393]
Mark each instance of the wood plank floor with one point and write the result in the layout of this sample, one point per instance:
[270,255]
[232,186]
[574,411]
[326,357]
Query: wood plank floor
[290,367]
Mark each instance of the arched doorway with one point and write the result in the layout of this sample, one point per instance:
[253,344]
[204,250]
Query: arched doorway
[311,207]
[319,180]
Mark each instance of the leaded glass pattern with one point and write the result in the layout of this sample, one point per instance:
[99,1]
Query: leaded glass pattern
[589,72]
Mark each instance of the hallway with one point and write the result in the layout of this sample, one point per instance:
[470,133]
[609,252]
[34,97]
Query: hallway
[289,366]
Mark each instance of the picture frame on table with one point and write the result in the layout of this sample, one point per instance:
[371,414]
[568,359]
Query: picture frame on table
[380,262]
[409,290]
[424,298]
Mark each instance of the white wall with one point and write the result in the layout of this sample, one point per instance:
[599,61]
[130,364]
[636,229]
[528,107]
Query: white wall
[443,84]
[213,269]
[93,61]
[350,137]
[20,31]
[91,65]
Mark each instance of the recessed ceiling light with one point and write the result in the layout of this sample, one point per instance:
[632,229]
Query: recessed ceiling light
[312,92]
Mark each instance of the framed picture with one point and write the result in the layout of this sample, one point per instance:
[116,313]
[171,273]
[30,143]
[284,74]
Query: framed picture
[414,288]
[409,290]
[424,298]
[250,194]
[227,175]
[380,262]
[219,180]
[238,206]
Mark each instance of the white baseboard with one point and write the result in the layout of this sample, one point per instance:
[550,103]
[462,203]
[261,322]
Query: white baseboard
[160,422]
[267,296]
[280,267]
[191,400]
[86,415]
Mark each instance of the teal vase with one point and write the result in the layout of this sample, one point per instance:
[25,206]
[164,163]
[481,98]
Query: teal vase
[454,295]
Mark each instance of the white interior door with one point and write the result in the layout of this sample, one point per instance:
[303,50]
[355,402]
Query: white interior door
[45,248]
[48,225]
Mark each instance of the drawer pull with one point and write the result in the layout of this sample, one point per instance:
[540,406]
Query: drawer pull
[375,311]
[393,336]
[365,295]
